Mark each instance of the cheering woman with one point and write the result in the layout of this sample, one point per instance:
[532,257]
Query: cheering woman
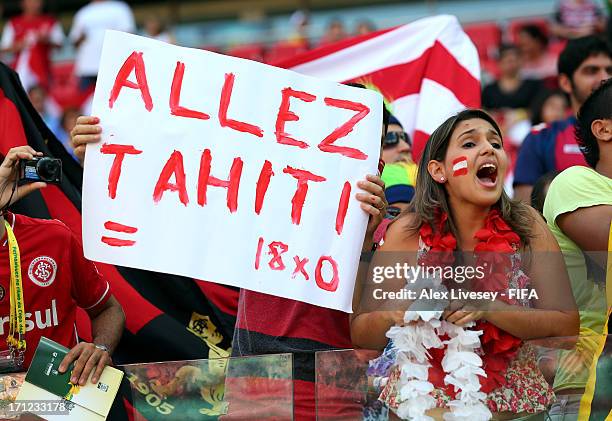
[467,360]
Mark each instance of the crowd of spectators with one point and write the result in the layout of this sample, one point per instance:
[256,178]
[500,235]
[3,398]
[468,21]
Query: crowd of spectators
[538,97]
[520,85]
[61,90]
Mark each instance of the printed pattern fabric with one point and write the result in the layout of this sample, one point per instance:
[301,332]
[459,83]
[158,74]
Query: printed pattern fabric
[526,389]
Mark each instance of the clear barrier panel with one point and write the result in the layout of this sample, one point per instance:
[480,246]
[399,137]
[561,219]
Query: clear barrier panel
[224,389]
[349,388]
[228,389]
[343,388]
[9,388]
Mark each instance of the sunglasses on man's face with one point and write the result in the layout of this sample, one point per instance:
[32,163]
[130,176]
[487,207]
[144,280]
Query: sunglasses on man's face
[393,211]
[393,138]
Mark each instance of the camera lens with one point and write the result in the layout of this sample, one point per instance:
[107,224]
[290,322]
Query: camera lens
[48,169]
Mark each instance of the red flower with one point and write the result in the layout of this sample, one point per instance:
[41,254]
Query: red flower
[494,379]
[497,242]
[426,233]
[436,373]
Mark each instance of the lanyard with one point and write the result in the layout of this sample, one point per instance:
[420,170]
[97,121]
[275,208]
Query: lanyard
[16,336]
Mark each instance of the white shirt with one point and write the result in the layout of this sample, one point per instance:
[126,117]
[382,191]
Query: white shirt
[92,21]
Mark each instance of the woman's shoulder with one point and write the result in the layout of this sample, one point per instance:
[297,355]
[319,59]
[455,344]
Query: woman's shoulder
[401,234]
[541,237]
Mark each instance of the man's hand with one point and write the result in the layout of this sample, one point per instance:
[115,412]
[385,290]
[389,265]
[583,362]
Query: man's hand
[374,203]
[9,170]
[85,131]
[87,358]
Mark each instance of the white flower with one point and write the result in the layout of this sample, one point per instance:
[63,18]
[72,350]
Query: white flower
[429,337]
[462,365]
[418,371]
[468,385]
[469,338]
[404,337]
[415,409]
[411,316]
[467,371]
[415,388]
[430,316]
[471,397]
[453,360]
[393,332]
[459,411]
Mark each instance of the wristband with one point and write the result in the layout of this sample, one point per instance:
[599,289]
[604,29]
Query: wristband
[102,347]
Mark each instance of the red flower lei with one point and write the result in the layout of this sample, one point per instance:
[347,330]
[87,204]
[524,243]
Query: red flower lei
[497,242]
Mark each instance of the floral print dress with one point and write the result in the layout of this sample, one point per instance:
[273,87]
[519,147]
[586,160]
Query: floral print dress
[525,388]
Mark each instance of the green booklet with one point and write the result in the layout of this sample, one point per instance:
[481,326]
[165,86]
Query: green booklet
[44,382]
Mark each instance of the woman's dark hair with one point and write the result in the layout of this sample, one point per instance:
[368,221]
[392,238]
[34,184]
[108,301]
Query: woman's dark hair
[538,104]
[598,106]
[431,197]
[540,188]
[535,32]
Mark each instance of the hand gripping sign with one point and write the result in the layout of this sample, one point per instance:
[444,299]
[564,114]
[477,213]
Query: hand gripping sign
[228,170]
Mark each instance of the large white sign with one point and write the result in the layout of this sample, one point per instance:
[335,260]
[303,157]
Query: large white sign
[228,170]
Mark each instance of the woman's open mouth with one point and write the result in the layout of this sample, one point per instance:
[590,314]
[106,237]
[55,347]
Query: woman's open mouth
[487,174]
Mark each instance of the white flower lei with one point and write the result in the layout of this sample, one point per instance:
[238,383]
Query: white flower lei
[421,332]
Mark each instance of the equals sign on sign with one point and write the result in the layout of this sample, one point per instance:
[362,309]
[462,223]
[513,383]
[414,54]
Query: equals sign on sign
[117,227]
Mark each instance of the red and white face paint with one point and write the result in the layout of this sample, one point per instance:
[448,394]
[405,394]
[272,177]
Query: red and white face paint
[460,166]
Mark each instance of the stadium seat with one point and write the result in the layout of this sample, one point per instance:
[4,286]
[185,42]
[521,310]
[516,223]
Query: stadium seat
[65,86]
[555,47]
[486,37]
[284,50]
[248,51]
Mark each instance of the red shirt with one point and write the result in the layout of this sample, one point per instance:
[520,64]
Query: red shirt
[56,279]
[274,325]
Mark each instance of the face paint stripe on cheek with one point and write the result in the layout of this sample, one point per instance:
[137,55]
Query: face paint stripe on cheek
[460,166]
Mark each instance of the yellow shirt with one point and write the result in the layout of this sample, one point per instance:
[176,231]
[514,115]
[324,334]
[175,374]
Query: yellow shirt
[575,188]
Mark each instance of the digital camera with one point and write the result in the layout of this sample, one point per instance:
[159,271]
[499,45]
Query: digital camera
[43,168]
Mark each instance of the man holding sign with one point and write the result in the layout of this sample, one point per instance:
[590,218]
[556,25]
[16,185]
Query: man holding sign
[261,162]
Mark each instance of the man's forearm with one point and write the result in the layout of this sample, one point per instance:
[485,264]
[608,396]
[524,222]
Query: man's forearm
[107,326]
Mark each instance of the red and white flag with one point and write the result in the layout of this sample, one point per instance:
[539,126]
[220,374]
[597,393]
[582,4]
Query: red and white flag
[427,70]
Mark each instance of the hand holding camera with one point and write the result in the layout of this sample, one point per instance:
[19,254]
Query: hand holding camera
[10,190]
[45,169]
